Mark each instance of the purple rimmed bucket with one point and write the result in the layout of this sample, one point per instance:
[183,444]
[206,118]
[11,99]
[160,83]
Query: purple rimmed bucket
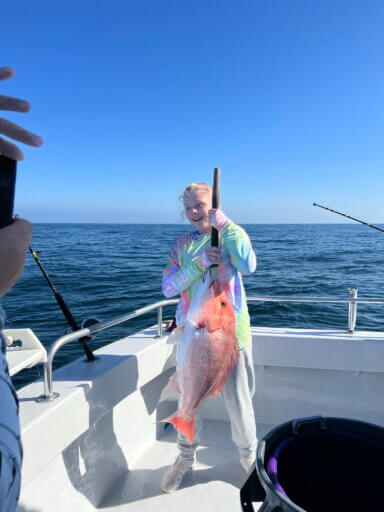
[318,464]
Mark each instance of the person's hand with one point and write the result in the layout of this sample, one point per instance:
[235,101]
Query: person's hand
[14,243]
[11,130]
[208,257]
[217,218]
[213,255]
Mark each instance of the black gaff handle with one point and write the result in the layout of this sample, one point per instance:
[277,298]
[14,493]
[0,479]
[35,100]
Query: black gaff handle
[7,190]
[215,204]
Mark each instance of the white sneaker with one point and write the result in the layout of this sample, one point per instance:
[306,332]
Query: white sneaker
[248,461]
[175,474]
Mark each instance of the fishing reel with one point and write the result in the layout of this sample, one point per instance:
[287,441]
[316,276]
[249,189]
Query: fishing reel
[88,322]
[85,324]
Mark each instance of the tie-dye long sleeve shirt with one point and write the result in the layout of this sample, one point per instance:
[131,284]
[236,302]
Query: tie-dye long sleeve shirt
[187,266]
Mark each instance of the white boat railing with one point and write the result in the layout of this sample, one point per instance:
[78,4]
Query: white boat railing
[49,395]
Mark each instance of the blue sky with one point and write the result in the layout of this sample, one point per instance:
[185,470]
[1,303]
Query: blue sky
[135,99]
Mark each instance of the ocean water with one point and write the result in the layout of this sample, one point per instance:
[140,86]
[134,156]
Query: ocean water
[105,270]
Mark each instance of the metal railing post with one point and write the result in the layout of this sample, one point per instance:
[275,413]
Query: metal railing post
[352,310]
[47,390]
[160,322]
[48,395]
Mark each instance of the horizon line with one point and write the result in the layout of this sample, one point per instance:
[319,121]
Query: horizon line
[189,225]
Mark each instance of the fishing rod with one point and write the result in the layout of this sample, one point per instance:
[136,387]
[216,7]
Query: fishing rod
[64,308]
[349,217]
[215,204]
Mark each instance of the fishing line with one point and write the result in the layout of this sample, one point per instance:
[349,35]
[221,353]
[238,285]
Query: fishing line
[305,266]
[57,275]
[76,296]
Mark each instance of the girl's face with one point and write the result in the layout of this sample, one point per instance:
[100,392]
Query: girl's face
[197,205]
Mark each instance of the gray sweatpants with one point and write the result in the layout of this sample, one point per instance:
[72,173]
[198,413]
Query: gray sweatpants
[237,395]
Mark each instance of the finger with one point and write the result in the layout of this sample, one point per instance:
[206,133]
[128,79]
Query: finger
[16,132]
[6,72]
[214,258]
[14,104]
[10,150]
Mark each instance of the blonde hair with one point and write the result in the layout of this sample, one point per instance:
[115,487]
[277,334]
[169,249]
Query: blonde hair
[194,187]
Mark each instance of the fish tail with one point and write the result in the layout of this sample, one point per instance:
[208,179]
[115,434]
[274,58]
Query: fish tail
[181,425]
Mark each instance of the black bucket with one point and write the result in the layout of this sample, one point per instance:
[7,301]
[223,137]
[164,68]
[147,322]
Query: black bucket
[318,465]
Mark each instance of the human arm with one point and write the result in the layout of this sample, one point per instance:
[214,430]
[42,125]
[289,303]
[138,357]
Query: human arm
[236,240]
[176,277]
[14,242]
[10,444]
[11,130]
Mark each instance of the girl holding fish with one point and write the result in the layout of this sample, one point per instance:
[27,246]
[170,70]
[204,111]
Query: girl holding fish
[214,353]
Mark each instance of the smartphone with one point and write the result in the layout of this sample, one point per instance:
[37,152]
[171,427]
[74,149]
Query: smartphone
[7,190]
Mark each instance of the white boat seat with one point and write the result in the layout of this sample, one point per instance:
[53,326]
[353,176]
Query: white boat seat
[24,350]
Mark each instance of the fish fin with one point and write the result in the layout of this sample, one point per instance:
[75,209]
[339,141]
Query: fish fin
[175,336]
[222,379]
[171,390]
[168,396]
[235,356]
[219,386]
[181,425]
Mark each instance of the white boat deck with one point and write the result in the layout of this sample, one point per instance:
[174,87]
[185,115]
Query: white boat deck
[214,484]
[104,446]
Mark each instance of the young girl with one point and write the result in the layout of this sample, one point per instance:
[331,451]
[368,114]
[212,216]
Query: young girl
[190,260]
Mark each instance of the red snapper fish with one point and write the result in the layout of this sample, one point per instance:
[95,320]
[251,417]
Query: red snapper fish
[206,353]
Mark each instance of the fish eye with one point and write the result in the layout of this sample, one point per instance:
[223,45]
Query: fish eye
[223,303]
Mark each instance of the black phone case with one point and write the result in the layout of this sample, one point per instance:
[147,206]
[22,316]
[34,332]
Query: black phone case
[7,189]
